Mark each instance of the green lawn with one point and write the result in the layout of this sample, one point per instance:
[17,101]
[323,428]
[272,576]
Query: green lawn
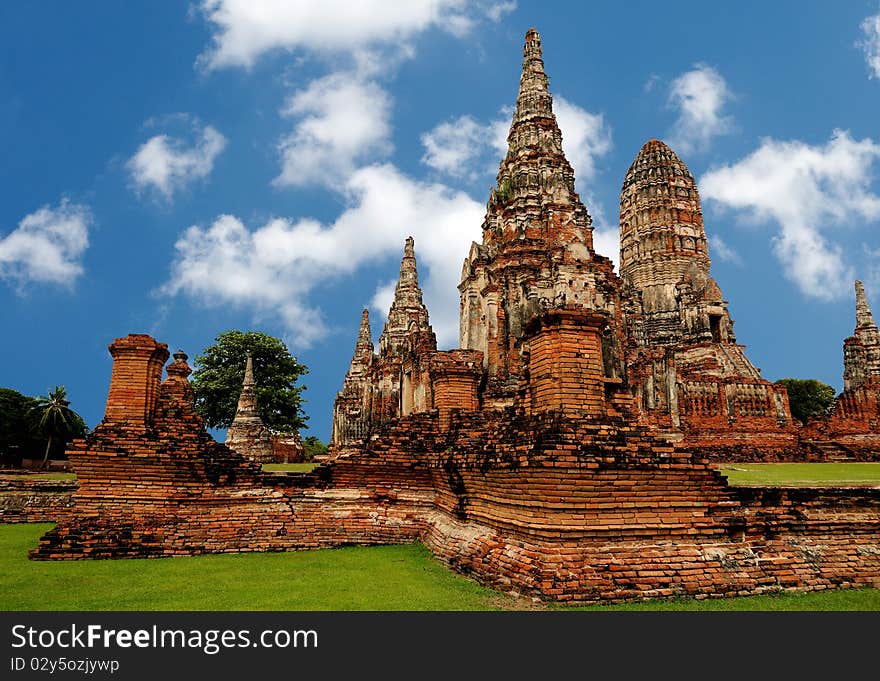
[38,476]
[803,474]
[284,467]
[352,578]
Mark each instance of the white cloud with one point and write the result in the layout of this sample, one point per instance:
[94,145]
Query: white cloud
[341,122]
[699,95]
[585,138]
[274,267]
[496,10]
[806,191]
[383,297]
[167,164]
[47,246]
[870,44]
[719,247]
[457,148]
[246,29]
[606,241]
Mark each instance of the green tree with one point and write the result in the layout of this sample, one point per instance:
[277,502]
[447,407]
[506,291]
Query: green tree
[313,446]
[58,423]
[808,397]
[219,373]
[18,437]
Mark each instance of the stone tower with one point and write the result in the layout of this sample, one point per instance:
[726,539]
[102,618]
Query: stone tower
[351,411]
[685,367]
[407,324]
[664,255]
[407,333]
[861,351]
[248,435]
[537,248]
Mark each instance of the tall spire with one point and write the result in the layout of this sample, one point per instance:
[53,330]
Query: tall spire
[365,338]
[408,313]
[363,351]
[407,292]
[247,401]
[861,351]
[248,434]
[535,180]
[864,318]
[534,99]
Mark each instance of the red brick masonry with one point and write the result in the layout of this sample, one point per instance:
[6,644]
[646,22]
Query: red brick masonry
[552,504]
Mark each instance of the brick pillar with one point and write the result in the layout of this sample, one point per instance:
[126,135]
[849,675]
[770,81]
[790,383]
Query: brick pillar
[565,363]
[134,384]
[455,378]
[454,388]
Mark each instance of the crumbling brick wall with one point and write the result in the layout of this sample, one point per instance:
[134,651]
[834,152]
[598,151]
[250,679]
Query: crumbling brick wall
[576,508]
[29,499]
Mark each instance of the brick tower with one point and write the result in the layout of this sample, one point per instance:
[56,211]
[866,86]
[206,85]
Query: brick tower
[685,367]
[537,248]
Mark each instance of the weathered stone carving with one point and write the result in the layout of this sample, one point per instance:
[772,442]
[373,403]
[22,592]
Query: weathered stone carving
[689,375]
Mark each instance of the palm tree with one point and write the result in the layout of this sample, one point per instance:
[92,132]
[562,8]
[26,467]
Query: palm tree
[57,419]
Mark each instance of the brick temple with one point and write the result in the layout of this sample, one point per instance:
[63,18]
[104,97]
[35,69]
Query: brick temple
[562,451]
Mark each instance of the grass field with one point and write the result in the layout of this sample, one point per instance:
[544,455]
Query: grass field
[803,474]
[39,476]
[353,578]
[284,467]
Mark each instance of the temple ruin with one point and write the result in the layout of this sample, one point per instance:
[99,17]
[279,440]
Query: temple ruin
[563,451]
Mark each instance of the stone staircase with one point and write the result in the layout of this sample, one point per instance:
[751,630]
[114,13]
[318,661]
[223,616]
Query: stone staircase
[832,451]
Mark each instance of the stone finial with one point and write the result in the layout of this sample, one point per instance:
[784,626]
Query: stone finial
[864,317]
[179,369]
[363,351]
[407,292]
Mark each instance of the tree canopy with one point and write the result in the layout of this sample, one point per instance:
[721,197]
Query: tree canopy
[808,397]
[21,434]
[219,373]
[57,421]
[312,446]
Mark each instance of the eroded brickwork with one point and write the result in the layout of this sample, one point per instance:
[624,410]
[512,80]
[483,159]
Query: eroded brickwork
[28,499]
[689,375]
[852,430]
[576,505]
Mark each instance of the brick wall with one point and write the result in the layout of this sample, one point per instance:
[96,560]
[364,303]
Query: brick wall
[27,499]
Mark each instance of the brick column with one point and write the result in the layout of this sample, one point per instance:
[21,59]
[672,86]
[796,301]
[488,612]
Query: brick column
[134,384]
[455,377]
[565,364]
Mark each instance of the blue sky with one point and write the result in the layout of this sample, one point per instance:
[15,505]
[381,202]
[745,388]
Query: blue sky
[183,169]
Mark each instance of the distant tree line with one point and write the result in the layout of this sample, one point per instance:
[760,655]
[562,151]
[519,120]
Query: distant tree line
[36,427]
